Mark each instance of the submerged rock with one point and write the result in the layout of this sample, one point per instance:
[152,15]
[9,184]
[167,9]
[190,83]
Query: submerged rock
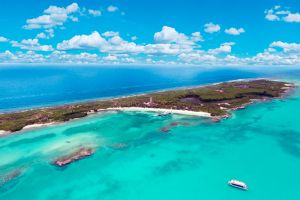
[66,160]
[10,176]
[119,146]
[164,129]
[180,124]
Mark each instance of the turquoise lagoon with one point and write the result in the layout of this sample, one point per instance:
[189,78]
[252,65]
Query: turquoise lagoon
[135,160]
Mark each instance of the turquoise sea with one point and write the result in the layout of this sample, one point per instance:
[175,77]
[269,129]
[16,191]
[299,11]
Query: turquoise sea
[135,160]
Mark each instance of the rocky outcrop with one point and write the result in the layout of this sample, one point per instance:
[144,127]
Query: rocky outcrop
[78,155]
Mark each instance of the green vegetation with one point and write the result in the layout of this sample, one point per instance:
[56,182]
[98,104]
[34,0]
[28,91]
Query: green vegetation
[215,99]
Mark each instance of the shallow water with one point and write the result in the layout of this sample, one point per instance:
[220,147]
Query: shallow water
[259,145]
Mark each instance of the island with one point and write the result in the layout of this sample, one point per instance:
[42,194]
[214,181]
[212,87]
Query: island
[215,101]
[73,157]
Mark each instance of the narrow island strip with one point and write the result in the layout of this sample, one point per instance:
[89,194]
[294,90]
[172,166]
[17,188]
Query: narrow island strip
[73,157]
[215,101]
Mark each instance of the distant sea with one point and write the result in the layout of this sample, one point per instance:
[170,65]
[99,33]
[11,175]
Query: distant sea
[25,87]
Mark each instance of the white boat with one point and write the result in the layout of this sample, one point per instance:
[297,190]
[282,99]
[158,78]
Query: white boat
[238,184]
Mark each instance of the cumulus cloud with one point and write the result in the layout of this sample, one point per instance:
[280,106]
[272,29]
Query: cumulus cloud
[80,58]
[168,41]
[32,45]
[3,39]
[7,56]
[287,47]
[278,14]
[198,58]
[46,35]
[169,47]
[292,17]
[110,58]
[277,53]
[170,35]
[197,37]
[234,31]
[53,16]
[95,13]
[224,48]
[94,40]
[271,15]
[110,34]
[212,28]
[134,38]
[112,8]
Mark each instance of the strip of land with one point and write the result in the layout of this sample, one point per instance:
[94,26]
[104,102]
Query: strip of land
[207,101]
[78,155]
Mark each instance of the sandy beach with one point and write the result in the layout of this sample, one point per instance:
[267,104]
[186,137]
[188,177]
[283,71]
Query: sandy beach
[4,132]
[160,110]
[34,126]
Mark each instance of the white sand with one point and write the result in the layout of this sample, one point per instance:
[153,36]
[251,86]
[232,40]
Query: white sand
[33,126]
[4,132]
[180,112]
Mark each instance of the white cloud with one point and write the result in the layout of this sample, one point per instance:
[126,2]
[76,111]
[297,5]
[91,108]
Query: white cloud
[234,31]
[134,38]
[167,49]
[3,39]
[292,17]
[224,48]
[169,41]
[198,58]
[114,44]
[95,13]
[81,58]
[110,34]
[277,53]
[21,57]
[271,16]
[93,40]
[275,14]
[212,28]
[46,35]
[53,16]
[170,35]
[197,37]
[170,47]
[41,36]
[110,58]
[112,8]
[32,45]
[287,47]
[7,56]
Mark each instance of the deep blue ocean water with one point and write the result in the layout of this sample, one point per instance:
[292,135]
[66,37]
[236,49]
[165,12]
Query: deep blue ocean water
[34,86]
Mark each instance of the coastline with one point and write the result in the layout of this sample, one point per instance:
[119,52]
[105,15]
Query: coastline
[35,126]
[215,103]
[158,110]
[126,109]
[29,127]
[92,100]
[3,133]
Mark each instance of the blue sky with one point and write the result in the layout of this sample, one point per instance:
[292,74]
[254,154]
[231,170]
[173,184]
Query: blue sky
[193,32]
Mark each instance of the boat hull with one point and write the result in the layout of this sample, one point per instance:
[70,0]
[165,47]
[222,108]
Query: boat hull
[238,185]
